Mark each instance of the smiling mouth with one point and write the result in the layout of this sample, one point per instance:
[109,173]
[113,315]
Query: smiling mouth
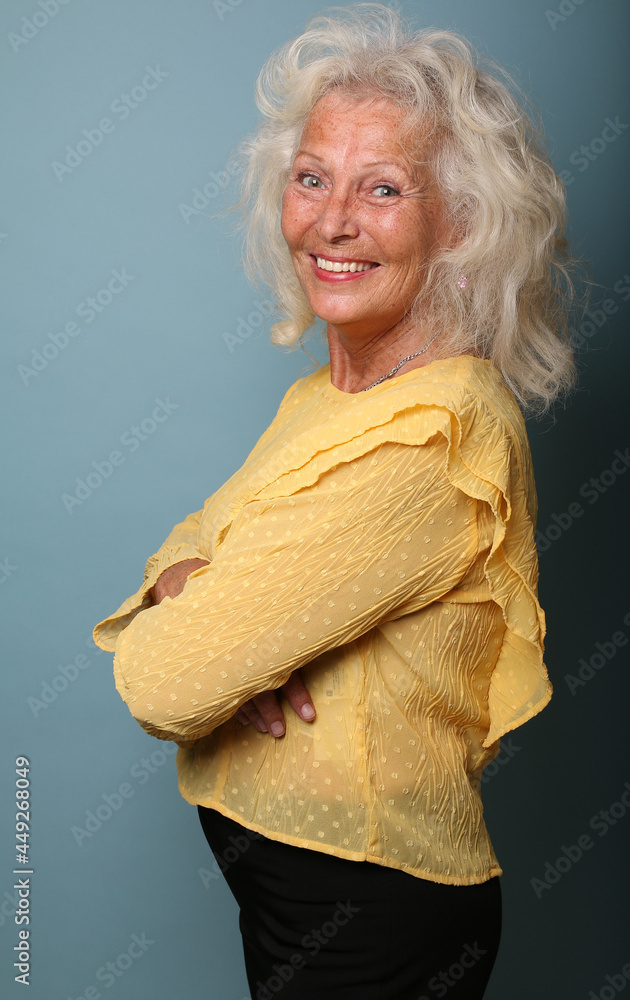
[324,264]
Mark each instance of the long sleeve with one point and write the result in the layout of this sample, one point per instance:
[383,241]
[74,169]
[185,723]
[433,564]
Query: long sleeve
[371,540]
[180,544]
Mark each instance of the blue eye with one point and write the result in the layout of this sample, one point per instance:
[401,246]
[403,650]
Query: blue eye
[309,180]
[386,189]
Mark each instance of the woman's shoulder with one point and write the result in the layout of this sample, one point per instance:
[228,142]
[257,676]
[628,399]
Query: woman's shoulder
[466,400]
[463,380]
[470,390]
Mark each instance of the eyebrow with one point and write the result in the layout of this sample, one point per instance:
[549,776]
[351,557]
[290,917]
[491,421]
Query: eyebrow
[383,164]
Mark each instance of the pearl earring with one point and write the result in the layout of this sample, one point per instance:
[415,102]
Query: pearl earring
[462,281]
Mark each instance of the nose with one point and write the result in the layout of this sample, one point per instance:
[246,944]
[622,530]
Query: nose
[338,218]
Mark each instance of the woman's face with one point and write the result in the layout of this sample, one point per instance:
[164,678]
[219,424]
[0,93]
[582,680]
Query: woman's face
[359,218]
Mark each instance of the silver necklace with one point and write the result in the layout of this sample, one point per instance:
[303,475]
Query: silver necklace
[401,363]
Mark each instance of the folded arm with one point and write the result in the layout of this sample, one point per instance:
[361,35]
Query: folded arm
[371,540]
[264,709]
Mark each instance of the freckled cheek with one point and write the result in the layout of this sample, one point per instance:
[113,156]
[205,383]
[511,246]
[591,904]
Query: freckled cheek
[404,241]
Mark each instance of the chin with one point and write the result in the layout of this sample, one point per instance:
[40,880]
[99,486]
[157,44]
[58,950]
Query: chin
[338,311]
[341,319]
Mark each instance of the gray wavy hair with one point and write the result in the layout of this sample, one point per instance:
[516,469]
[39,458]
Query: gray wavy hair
[490,163]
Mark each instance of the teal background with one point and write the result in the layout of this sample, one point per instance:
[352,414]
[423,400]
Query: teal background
[170,335]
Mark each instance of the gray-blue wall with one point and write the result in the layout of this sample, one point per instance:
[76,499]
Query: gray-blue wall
[176,329]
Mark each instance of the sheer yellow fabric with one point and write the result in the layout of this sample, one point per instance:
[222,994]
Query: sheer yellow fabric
[383,541]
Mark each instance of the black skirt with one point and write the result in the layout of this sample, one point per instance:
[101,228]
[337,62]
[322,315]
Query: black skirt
[319,927]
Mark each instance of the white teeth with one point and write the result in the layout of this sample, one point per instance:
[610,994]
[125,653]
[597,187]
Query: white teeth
[335,265]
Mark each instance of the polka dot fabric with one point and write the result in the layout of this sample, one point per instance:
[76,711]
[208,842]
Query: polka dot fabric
[384,542]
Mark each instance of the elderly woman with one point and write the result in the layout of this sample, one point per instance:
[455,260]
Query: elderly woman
[380,536]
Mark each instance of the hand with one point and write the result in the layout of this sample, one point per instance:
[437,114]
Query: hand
[265,712]
[171,582]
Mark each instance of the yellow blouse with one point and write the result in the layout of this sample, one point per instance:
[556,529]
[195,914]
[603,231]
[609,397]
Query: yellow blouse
[383,540]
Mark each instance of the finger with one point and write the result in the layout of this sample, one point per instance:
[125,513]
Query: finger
[249,713]
[297,694]
[269,707]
